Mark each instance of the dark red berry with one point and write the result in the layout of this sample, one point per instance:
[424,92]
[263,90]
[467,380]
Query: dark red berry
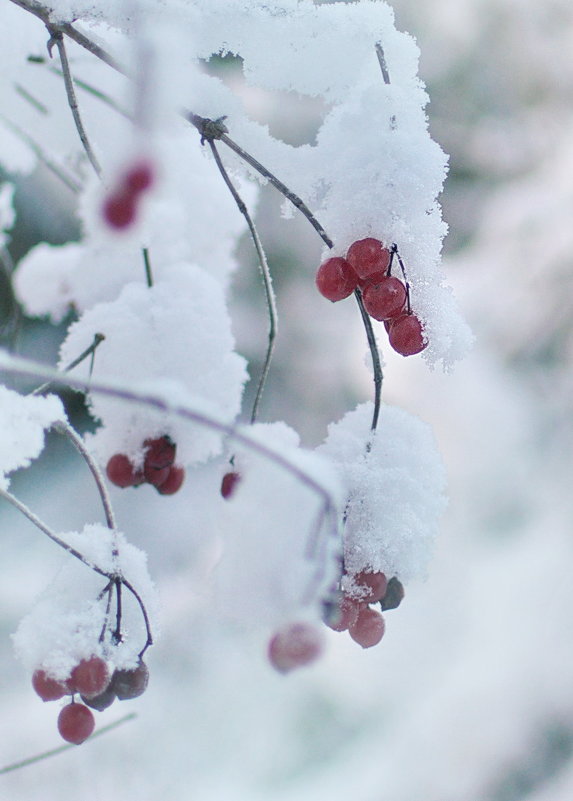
[90,677]
[130,683]
[101,701]
[156,477]
[229,482]
[295,645]
[385,298]
[406,335]
[122,473]
[160,453]
[48,689]
[119,210]
[369,627]
[344,614]
[173,482]
[369,258]
[394,595]
[371,585]
[138,178]
[75,723]
[336,279]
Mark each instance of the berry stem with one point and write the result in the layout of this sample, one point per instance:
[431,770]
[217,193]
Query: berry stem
[57,38]
[376,365]
[89,351]
[54,751]
[147,263]
[69,432]
[265,272]
[394,252]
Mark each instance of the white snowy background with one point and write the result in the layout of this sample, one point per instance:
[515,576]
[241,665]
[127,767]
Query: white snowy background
[469,696]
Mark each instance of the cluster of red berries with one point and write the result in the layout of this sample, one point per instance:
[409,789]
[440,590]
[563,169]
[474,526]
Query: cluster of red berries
[98,689]
[158,468]
[367,268]
[120,207]
[353,612]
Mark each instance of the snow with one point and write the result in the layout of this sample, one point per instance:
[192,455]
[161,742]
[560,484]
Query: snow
[23,420]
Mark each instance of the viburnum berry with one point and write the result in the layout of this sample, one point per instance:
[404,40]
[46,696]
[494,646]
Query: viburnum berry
[173,482]
[371,585]
[120,209]
[295,645]
[385,298]
[101,701]
[122,473]
[160,453]
[336,279]
[75,723]
[138,178]
[344,614]
[369,259]
[369,627]
[130,683]
[90,677]
[229,482]
[406,336]
[156,476]
[48,689]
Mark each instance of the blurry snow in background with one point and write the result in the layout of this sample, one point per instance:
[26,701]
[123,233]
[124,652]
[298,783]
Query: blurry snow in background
[470,695]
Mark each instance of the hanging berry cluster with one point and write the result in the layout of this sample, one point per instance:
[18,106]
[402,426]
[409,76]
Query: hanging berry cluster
[159,468]
[367,269]
[353,611]
[97,687]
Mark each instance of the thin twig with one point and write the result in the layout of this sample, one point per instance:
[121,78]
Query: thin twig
[205,128]
[376,366]
[58,171]
[49,533]
[382,62]
[43,13]
[147,263]
[265,272]
[89,351]
[24,763]
[68,431]
[57,38]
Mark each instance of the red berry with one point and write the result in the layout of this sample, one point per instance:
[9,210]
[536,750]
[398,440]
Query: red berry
[336,279]
[295,645]
[130,683]
[173,482]
[119,210]
[156,476]
[345,614]
[406,335]
[90,677]
[228,483]
[75,723]
[122,473]
[101,701]
[369,258]
[369,627]
[48,689]
[384,299]
[160,453]
[372,585]
[138,178]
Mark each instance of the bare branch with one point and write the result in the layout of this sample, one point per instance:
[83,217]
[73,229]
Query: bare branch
[267,281]
[57,38]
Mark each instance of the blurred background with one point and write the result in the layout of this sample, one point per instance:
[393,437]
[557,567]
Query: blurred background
[470,695]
